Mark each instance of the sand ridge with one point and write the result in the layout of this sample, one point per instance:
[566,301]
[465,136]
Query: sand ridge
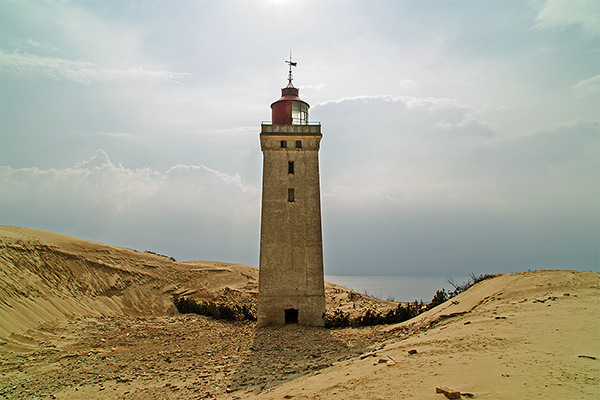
[84,320]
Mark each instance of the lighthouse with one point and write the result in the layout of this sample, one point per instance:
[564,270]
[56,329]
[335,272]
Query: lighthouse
[291,281]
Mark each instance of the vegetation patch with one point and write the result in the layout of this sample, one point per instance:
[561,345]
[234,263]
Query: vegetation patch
[404,311]
[442,296]
[160,255]
[227,311]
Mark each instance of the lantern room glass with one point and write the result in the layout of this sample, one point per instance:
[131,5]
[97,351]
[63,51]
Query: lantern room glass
[299,113]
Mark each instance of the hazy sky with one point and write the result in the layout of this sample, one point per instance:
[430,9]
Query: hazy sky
[458,136]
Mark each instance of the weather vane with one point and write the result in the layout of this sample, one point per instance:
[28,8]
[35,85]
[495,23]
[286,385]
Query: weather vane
[291,64]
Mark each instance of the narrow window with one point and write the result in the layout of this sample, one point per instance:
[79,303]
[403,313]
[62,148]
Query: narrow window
[283,144]
[290,195]
[290,167]
[298,144]
[291,316]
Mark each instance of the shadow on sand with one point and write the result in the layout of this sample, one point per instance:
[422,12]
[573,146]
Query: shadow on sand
[280,354]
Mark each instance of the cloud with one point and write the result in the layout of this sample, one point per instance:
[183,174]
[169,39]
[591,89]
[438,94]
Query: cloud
[30,66]
[408,84]
[429,103]
[94,182]
[384,127]
[588,87]
[136,207]
[316,87]
[439,151]
[427,196]
[403,150]
[562,13]
[15,43]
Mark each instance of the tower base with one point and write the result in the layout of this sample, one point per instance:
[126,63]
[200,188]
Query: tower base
[303,310]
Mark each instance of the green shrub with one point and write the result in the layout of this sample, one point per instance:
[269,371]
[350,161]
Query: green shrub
[401,313]
[339,319]
[230,312]
[404,312]
[473,279]
[439,297]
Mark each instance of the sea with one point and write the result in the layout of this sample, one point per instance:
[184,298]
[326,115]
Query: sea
[397,288]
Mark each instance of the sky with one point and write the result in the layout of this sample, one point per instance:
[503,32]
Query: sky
[458,136]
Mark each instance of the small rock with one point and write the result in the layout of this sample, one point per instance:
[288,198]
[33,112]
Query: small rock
[449,393]
[371,354]
[412,351]
[382,360]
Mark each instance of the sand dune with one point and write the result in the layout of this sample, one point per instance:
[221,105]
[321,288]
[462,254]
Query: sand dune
[517,336]
[80,319]
[48,277]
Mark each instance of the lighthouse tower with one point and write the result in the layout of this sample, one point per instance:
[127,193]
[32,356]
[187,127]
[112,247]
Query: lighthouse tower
[291,283]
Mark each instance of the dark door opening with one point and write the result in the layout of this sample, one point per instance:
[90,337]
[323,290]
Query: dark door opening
[291,316]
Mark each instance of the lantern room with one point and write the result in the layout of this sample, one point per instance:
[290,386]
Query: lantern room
[289,109]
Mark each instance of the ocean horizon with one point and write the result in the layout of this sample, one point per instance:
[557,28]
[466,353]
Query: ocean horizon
[396,288]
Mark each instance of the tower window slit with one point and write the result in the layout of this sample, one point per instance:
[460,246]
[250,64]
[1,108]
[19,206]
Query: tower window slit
[290,167]
[298,144]
[290,195]
[284,144]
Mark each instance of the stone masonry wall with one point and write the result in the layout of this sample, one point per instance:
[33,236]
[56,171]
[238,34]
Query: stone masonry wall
[291,252]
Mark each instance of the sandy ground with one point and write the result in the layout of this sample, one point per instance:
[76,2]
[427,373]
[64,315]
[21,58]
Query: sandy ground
[83,320]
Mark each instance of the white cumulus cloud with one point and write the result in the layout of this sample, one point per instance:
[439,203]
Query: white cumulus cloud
[95,196]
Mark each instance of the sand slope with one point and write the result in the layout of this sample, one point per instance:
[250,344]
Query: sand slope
[46,276]
[84,320]
[517,336]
